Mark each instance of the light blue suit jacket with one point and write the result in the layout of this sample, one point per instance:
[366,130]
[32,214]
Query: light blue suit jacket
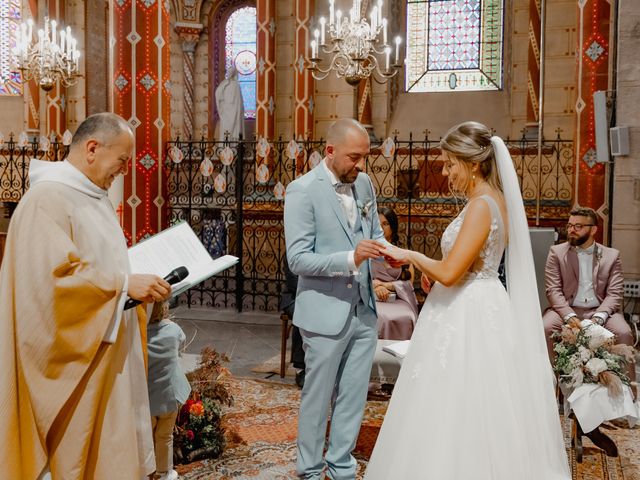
[318,239]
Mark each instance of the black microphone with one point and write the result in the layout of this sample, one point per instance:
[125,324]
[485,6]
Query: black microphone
[175,276]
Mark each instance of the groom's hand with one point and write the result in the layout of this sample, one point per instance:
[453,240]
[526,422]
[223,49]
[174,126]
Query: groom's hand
[367,249]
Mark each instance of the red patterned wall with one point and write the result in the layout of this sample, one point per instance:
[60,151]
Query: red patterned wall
[593,74]
[141,96]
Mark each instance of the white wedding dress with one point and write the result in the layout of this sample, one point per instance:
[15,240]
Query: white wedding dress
[460,409]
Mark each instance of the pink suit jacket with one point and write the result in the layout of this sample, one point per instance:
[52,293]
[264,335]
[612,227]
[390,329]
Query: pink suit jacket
[562,273]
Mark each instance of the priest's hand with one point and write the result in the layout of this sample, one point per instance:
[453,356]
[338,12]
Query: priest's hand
[148,288]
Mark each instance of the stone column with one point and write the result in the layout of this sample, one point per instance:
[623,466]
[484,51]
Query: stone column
[303,125]
[189,35]
[266,78]
[140,38]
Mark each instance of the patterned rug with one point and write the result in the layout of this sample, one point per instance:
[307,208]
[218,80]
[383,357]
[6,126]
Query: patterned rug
[261,434]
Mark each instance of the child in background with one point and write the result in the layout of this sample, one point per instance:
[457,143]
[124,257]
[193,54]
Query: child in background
[167,383]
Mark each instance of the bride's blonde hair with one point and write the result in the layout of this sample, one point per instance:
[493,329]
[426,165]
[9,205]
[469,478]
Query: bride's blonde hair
[469,143]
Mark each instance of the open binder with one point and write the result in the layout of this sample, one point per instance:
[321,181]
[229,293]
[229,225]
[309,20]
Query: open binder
[175,247]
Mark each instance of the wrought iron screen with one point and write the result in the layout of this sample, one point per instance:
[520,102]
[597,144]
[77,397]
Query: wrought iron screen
[232,194]
[219,186]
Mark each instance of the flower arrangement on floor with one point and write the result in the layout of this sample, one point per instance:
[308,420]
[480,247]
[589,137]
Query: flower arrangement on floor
[198,432]
[586,353]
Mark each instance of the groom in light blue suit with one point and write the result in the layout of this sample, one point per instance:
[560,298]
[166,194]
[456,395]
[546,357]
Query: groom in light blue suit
[332,232]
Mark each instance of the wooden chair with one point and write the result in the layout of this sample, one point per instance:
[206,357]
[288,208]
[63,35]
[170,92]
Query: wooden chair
[284,336]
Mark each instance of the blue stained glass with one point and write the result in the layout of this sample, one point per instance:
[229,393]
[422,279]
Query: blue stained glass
[240,51]
[10,81]
[454,45]
[454,35]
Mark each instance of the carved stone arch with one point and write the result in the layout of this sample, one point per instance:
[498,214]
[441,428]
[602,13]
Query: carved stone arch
[217,21]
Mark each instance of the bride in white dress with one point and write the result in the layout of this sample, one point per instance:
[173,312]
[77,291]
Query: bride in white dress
[475,396]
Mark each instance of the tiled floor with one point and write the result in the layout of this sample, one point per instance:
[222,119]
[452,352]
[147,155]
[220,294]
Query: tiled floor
[247,338]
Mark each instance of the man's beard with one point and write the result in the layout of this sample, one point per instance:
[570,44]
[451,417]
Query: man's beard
[577,241]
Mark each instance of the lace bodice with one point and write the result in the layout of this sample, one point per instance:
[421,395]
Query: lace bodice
[489,259]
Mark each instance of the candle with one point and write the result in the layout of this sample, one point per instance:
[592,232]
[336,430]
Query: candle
[384,31]
[338,22]
[331,13]
[30,33]
[313,49]
[379,11]
[387,54]
[371,23]
[54,25]
[322,35]
[374,20]
[398,41]
[63,40]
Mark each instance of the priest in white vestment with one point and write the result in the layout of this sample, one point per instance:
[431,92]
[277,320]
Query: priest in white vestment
[73,390]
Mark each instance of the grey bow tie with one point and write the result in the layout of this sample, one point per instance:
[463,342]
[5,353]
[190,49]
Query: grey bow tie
[343,187]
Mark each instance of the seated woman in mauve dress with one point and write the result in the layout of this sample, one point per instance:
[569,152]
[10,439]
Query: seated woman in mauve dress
[396,301]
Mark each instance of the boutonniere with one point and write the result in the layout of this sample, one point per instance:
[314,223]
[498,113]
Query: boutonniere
[364,208]
[598,253]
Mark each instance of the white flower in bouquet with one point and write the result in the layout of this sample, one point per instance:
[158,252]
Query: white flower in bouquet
[598,335]
[585,354]
[577,378]
[596,366]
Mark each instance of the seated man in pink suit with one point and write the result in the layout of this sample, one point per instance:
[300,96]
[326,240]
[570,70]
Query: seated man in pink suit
[584,279]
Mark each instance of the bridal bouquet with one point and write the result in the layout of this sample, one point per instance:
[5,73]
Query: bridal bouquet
[586,353]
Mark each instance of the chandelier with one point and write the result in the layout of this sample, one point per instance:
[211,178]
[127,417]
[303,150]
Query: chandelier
[355,47]
[52,56]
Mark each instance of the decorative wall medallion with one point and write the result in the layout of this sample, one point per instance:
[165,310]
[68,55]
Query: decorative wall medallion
[67,137]
[314,159]
[388,147]
[278,191]
[176,154]
[263,148]
[226,156]
[590,157]
[594,51]
[23,140]
[262,173]
[220,183]
[292,149]
[206,167]
[44,143]
[147,161]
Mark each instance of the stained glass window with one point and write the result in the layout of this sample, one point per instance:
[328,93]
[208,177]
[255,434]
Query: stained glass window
[240,51]
[10,81]
[454,45]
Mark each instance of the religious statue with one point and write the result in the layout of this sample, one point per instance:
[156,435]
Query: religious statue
[230,107]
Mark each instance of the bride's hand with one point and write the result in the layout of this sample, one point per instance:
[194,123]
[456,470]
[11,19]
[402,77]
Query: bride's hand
[396,257]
